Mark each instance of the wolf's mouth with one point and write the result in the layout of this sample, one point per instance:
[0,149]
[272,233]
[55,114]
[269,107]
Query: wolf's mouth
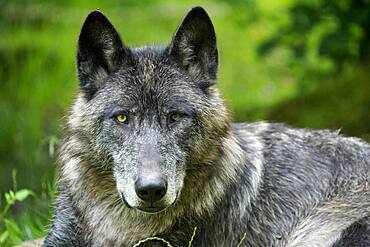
[151,209]
[147,209]
[155,208]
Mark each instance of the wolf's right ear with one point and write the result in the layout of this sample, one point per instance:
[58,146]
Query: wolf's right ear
[100,52]
[194,46]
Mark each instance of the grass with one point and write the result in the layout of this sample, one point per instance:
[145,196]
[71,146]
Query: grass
[165,241]
[189,244]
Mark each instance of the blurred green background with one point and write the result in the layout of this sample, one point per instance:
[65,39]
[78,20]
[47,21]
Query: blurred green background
[305,63]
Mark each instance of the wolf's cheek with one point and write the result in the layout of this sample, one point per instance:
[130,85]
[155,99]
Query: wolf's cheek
[125,189]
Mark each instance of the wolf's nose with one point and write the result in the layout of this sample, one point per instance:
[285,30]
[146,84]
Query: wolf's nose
[151,190]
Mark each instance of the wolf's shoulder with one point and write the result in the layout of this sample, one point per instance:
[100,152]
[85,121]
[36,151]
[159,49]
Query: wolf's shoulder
[272,129]
[282,133]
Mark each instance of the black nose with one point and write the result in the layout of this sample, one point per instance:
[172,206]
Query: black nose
[151,190]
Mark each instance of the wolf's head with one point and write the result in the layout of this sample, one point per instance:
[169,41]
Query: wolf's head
[149,116]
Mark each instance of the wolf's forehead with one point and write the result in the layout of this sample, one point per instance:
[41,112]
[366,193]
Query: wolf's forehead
[150,61]
[151,70]
[146,66]
[149,65]
[151,77]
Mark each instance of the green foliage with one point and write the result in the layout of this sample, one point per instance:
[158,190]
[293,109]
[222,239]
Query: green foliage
[333,33]
[302,62]
[11,233]
[29,225]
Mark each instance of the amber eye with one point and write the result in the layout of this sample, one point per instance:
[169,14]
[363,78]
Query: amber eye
[175,116]
[121,118]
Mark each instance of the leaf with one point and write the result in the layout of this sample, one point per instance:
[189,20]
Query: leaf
[21,195]
[9,197]
[53,141]
[3,237]
[11,227]
[14,233]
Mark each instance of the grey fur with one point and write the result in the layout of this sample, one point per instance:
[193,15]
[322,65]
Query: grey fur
[278,185]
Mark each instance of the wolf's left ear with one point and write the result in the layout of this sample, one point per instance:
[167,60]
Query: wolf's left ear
[194,46]
[100,52]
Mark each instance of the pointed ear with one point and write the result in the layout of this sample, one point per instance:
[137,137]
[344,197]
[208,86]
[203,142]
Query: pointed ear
[100,52]
[194,46]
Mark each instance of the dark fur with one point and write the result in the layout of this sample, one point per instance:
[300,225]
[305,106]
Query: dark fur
[276,185]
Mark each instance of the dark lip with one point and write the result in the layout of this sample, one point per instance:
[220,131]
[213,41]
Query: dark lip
[151,209]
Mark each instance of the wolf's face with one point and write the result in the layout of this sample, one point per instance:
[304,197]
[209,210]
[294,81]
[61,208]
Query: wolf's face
[150,113]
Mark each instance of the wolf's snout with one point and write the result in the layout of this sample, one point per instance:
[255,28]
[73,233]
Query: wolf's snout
[151,190]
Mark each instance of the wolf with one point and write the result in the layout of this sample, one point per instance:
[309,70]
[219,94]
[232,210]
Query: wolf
[150,151]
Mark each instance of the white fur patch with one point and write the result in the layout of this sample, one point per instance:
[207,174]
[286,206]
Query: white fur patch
[318,230]
[70,170]
[256,159]
[215,189]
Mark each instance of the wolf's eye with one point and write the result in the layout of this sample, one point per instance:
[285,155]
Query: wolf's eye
[175,116]
[121,118]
